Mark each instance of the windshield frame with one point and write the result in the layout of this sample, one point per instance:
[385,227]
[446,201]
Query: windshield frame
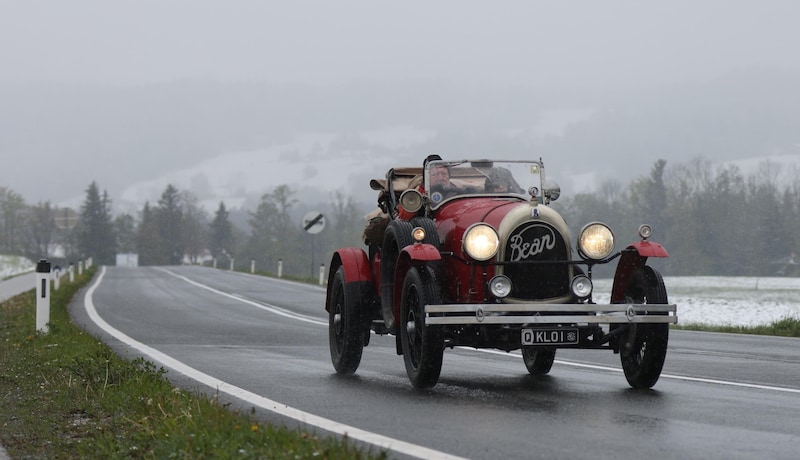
[468,178]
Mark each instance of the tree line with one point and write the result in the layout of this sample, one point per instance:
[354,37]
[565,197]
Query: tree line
[713,220]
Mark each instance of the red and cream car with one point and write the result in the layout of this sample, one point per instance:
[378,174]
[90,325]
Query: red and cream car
[469,253]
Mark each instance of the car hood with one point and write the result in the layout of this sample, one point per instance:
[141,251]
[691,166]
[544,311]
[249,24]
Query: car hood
[504,214]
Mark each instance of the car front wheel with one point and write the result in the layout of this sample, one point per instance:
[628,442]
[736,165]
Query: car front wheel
[423,347]
[645,348]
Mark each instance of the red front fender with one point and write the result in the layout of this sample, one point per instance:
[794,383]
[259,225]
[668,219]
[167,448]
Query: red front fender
[633,257]
[356,268]
[410,255]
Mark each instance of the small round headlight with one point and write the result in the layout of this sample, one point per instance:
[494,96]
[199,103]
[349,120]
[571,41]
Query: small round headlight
[645,231]
[596,241]
[481,242]
[581,286]
[500,286]
[411,200]
[418,234]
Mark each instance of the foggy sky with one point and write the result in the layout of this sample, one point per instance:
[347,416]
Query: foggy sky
[592,44]
[147,101]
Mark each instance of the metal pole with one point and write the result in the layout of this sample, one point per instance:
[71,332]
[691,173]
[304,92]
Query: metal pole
[312,255]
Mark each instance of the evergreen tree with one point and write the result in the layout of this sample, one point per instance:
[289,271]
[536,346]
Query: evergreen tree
[195,225]
[148,238]
[95,229]
[125,231]
[220,233]
[169,217]
[272,234]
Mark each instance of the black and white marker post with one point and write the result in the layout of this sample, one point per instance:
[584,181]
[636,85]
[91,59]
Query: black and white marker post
[313,223]
[56,277]
[42,296]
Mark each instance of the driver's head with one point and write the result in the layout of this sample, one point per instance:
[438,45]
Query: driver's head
[440,176]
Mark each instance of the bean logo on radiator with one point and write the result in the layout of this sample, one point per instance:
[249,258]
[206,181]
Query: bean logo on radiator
[530,242]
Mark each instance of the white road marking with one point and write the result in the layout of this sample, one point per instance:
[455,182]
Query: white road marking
[299,317]
[263,306]
[375,439]
[663,376]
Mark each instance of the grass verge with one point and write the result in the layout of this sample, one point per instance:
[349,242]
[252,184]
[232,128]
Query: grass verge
[786,327]
[67,395]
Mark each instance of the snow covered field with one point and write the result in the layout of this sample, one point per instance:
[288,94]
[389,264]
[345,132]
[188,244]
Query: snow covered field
[717,300]
[14,265]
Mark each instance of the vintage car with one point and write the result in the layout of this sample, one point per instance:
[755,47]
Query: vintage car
[469,253]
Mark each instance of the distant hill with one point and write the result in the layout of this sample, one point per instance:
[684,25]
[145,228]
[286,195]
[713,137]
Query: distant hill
[234,141]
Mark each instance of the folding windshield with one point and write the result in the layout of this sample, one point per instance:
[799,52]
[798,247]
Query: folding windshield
[449,179]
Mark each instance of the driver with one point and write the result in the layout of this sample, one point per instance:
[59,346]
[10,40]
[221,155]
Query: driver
[440,182]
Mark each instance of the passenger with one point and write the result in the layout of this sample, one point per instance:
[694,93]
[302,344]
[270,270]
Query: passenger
[500,180]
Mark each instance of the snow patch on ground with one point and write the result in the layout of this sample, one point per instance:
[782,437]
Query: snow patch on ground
[15,265]
[737,301]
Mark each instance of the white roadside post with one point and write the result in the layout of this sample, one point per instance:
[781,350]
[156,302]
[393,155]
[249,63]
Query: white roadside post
[215,262]
[232,263]
[321,274]
[80,267]
[71,272]
[252,266]
[42,295]
[56,278]
[280,268]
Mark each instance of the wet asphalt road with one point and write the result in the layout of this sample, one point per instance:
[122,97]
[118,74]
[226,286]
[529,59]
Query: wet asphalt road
[720,396]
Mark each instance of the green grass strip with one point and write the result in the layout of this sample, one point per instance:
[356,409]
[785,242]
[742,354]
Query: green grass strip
[65,394]
[785,327]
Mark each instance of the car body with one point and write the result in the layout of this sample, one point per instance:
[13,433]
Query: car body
[476,264]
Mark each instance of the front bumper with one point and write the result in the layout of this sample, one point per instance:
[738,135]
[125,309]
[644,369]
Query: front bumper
[535,313]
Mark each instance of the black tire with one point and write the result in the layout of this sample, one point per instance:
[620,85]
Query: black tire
[431,234]
[538,361]
[423,346]
[397,236]
[644,348]
[345,327]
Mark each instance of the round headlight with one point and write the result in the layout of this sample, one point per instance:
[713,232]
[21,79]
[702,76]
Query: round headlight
[581,286]
[481,242]
[500,286]
[411,200]
[645,231]
[596,241]
[418,234]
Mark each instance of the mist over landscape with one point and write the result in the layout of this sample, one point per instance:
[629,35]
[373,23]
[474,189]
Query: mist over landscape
[231,101]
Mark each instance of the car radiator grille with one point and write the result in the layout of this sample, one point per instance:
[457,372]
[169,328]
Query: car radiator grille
[537,241]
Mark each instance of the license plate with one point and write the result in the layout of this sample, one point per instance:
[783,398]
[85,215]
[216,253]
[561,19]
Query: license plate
[560,336]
